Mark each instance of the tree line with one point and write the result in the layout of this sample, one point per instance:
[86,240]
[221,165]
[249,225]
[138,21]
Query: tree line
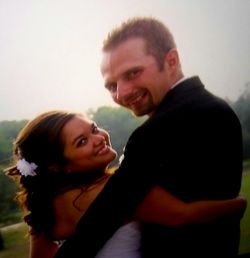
[242,108]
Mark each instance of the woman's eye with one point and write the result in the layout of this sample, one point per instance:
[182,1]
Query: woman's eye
[81,142]
[95,129]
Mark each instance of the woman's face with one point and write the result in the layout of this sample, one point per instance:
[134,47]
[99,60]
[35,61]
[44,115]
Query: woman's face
[86,147]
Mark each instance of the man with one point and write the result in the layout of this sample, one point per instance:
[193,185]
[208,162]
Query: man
[191,145]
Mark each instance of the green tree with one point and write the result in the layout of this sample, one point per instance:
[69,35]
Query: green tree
[242,108]
[8,133]
[9,210]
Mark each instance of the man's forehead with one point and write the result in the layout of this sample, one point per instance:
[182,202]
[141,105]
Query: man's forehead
[130,53]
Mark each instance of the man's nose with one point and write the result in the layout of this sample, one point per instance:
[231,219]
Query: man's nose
[123,92]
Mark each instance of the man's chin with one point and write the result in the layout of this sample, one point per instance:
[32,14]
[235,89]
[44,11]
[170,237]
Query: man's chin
[139,113]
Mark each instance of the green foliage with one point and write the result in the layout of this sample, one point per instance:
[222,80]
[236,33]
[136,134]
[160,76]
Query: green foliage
[8,132]
[9,210]
[245,223]
[242,108]
[15,242]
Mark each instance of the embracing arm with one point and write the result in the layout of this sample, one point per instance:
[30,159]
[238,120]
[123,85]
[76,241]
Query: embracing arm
[159,206]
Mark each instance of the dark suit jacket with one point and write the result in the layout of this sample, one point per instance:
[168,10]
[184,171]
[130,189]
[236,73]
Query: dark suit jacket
[191,146]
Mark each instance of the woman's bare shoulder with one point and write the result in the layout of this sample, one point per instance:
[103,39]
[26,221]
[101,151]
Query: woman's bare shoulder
[69,206]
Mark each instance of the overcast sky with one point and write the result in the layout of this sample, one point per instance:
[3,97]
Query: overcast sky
[50,49]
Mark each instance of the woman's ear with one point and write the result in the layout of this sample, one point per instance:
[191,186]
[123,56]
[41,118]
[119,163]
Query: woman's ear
[54,168]
[58,168]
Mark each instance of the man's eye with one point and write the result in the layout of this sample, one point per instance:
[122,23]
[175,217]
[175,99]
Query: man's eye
[132,74]
[111,87]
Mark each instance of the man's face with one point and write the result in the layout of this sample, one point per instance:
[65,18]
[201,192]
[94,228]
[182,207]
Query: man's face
[133,77]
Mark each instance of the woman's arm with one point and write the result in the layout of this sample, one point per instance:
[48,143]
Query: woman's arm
[159,206]
[41,246]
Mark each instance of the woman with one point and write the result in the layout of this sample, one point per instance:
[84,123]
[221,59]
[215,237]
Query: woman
[61,164]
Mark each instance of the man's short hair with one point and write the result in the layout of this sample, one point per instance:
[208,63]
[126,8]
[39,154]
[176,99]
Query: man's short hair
[157,37]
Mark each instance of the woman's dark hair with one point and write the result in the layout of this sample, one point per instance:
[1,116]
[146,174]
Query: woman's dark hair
[40,142]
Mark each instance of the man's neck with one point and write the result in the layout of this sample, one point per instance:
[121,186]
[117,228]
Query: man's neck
[183,78]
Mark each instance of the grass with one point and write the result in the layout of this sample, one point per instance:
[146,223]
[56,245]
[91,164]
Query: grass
[245,222]
[16,244]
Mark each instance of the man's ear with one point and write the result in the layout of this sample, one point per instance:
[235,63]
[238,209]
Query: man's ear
[172,61]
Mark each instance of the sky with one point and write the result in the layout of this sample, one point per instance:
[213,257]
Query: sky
[50,50]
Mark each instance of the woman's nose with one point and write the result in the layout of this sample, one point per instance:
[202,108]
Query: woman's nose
[98,140]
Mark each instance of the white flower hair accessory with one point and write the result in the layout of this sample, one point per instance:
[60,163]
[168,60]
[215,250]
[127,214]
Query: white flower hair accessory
[25,168]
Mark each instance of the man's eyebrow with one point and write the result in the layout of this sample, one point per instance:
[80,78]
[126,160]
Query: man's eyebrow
[135,68]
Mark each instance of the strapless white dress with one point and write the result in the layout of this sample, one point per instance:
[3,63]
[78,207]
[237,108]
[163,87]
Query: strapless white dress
[125,243]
